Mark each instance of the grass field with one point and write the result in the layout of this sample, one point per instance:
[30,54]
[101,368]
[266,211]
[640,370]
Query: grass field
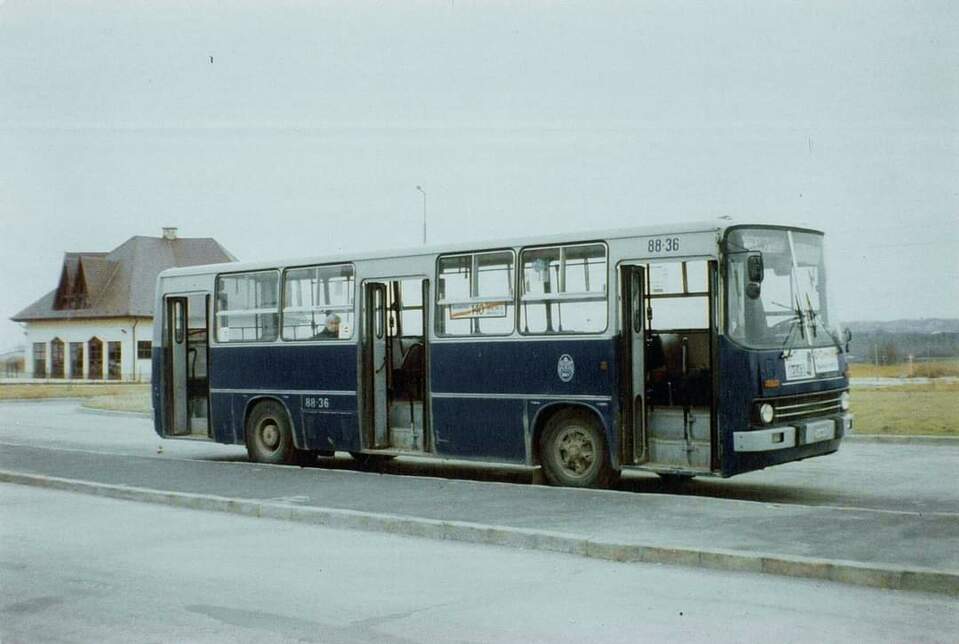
[930,369]
[926,410]
[120,397]
[70,390]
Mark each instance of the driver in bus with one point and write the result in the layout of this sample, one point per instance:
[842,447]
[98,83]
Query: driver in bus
[331,329]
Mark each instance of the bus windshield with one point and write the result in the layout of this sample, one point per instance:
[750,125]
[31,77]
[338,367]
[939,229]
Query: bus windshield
[790,310]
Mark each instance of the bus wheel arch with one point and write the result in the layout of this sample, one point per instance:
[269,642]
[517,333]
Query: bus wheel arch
[269,434]
[571,444]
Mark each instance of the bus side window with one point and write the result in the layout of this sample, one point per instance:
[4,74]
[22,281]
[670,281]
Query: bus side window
[178,321]
[564,289]
[247,307]
[474,294]
[313,295]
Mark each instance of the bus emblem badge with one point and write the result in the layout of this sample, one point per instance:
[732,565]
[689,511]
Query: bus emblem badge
[565,368]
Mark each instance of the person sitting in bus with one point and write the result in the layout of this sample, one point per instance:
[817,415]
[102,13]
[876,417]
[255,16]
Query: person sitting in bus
[331,329]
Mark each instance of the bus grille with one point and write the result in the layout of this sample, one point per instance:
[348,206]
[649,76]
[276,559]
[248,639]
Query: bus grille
[806,405]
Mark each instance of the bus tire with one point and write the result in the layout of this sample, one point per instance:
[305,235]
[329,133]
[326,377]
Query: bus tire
[573,451]
[269,436]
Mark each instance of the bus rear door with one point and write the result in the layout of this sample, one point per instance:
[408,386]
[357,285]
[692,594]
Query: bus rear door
[186,338]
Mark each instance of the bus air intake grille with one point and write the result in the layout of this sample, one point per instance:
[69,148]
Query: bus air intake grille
[807,405]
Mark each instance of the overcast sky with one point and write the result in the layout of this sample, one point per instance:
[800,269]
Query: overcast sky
[311,127]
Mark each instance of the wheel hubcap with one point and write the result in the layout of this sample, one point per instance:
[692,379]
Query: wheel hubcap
[270,435]
[576,451]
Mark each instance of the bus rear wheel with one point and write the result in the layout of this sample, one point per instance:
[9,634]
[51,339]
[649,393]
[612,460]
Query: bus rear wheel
[573,451]
[269,436]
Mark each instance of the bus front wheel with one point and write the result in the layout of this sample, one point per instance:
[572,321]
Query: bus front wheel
[269,436]
[573,452]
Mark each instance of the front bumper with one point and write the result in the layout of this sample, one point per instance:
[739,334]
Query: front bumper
[794,435]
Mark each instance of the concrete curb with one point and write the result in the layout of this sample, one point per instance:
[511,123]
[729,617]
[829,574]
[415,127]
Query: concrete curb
[849,572]
[114,412]
[897,439]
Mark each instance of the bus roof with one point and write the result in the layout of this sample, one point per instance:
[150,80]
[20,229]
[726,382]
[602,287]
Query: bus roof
[711,225]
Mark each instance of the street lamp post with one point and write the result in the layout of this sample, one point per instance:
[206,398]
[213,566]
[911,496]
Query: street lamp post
[420,188]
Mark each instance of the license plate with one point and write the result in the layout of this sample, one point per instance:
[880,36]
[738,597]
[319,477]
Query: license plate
[822,430]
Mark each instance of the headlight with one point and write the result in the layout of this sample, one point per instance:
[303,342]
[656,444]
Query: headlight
[766,413]
[844,401]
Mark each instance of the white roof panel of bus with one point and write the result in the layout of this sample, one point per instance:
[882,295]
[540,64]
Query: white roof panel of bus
[715,225]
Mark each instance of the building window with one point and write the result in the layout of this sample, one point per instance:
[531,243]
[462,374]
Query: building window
[56,358]
[39,359]
[564,289]
[318,303]
[475,294]
[247,307]
[76,360]
[144,349]
[114,360]
[95,371]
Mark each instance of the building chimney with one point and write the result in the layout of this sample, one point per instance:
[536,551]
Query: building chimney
[169,233]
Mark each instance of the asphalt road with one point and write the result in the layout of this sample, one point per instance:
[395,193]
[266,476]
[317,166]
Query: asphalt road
[860,505]
[898,478]
[77,568]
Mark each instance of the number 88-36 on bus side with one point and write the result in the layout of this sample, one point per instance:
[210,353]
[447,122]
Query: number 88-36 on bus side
[689,350]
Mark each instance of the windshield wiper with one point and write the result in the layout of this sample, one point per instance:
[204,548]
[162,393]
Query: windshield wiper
[811,315]
[816,322]
[797,319]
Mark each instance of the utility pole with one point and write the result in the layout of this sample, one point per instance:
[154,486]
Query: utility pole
[420,188]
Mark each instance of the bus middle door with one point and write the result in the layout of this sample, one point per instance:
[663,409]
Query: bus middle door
[376,368]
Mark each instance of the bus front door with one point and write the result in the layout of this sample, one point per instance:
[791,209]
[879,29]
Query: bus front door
[678,365]
[633,282]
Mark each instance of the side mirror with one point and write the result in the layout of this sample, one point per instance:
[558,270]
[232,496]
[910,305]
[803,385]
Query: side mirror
[754,267]
[753,290]
[846,338]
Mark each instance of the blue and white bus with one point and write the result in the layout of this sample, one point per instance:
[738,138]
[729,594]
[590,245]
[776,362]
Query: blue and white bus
[687,350]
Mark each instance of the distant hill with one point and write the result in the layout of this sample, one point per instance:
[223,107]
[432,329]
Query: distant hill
[893,341]
[922,326]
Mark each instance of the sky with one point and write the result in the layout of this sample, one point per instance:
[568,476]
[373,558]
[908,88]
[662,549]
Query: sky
[301,128]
